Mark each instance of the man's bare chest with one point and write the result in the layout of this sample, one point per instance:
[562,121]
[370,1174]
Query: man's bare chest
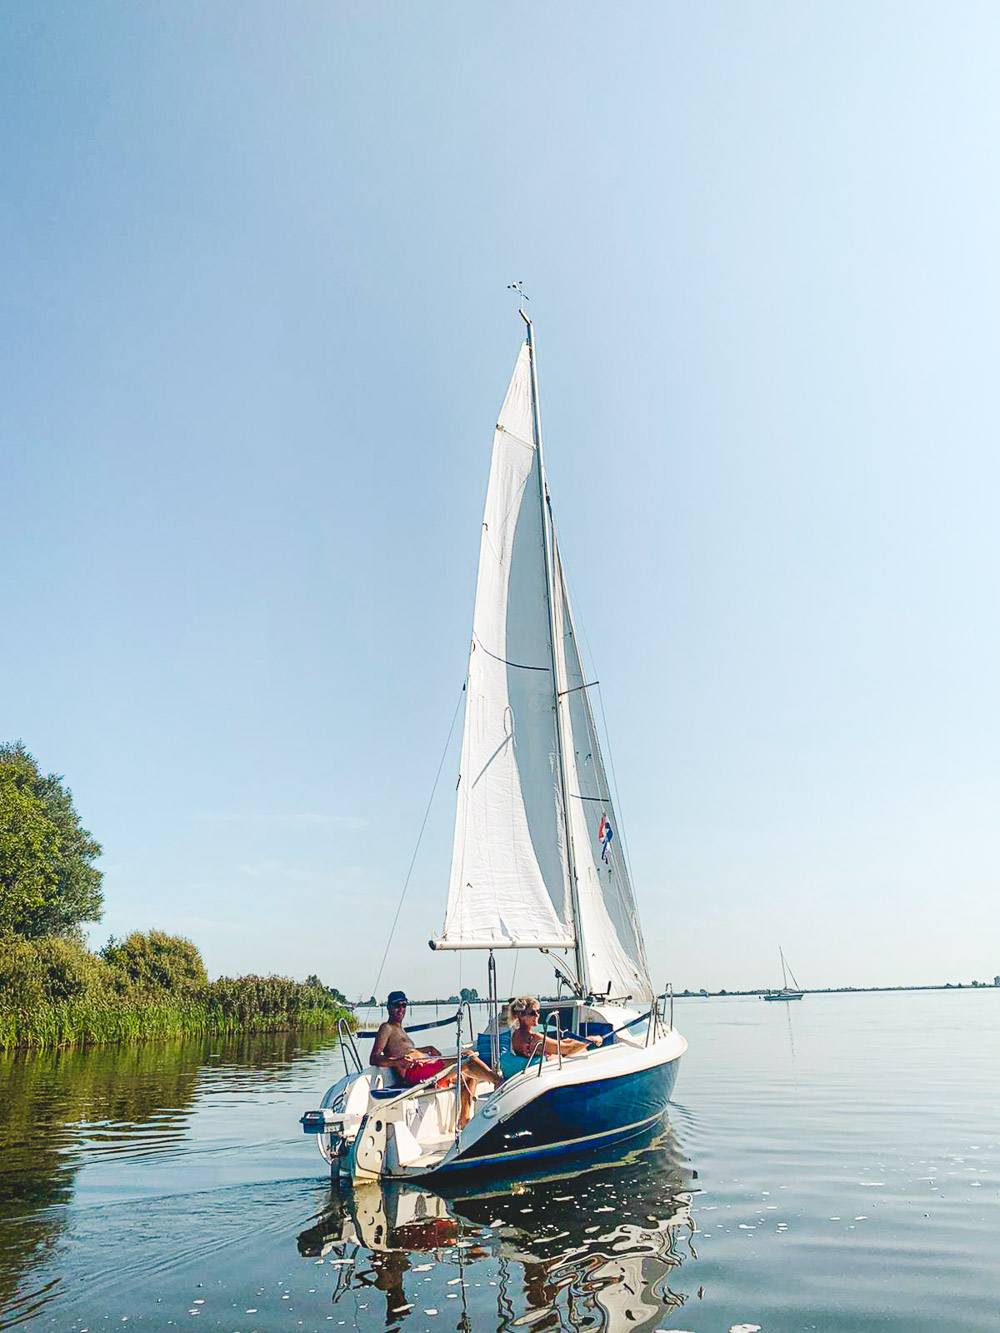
[398,1043]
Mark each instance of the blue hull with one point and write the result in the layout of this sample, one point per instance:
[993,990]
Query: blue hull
[568,1119]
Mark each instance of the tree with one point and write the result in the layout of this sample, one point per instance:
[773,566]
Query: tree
[314,981]
[28,841]
[48,884]
[470,995]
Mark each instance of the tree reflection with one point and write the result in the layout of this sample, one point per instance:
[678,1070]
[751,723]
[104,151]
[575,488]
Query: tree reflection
[592,1244]
[60,1108]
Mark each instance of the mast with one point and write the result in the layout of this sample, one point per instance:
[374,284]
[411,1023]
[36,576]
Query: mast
[582,981]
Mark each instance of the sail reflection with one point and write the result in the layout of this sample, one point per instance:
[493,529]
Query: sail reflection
[595,1244]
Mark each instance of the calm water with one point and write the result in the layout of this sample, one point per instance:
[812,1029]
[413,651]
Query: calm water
[830,1165]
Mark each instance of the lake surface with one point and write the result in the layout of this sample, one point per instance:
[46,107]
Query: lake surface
[832,1165]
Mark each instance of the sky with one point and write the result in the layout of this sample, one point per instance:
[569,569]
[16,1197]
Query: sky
[256,332]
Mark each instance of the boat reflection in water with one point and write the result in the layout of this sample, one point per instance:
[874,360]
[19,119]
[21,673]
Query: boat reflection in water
[598,1243]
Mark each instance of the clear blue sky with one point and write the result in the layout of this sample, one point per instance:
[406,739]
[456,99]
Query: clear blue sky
[256,334]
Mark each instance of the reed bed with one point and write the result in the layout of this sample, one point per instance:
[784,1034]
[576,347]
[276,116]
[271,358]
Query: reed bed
[55,993]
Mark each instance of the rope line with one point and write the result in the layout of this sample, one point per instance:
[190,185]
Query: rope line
[413,859]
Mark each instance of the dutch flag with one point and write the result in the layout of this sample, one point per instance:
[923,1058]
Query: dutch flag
[604,835]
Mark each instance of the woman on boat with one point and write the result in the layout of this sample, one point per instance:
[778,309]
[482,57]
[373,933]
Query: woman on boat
[525,1041]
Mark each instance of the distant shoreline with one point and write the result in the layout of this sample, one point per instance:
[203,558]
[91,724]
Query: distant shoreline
[727,994]
[832,990]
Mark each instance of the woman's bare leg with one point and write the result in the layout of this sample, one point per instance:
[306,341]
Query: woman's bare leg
[483,1072]
[465,1111]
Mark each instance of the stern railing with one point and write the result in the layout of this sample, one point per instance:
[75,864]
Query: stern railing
[464,1007]
[347,1043]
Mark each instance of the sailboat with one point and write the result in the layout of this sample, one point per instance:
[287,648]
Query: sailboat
[537,863]
[793,992]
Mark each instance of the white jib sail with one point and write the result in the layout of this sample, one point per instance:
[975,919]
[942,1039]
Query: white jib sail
[509,879]
[612,950]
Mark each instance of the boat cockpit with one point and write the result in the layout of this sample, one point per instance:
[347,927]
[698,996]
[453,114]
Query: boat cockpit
[375,1124]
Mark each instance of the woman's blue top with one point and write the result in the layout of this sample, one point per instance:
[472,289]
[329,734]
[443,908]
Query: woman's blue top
[511,1064]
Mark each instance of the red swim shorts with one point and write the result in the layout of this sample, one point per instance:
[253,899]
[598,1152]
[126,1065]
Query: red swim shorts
[418,1072]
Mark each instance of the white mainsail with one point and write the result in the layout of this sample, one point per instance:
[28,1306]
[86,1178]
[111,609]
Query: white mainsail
[509,873]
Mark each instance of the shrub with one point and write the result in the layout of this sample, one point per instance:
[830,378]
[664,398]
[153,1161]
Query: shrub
[70,970]
[22,979]
[155,962]
[269,1002]
[34,973]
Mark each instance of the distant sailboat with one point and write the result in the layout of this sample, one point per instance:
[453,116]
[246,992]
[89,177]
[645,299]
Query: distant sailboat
[793,992]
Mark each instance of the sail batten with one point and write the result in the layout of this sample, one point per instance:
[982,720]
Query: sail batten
[521,666]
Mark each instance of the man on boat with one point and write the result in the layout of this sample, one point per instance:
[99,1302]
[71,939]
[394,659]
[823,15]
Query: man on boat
[394,1049]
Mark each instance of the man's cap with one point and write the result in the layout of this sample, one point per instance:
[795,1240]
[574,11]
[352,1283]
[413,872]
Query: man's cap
[396,997]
